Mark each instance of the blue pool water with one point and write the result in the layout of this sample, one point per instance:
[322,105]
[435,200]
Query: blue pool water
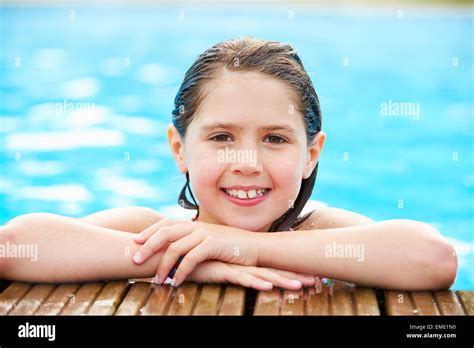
[86,94]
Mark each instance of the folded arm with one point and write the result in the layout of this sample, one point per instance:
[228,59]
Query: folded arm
[100,247]
[392,254]
[69,250]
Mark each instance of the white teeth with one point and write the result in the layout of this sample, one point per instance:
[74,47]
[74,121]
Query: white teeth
[246,194]
[252,194]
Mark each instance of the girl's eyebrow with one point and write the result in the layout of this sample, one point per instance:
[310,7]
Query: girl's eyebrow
[236,126]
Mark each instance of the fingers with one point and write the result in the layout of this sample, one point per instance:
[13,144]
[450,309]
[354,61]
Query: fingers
[168,234]
[195,256]
[259,278]
[247,280]
[280,281]
[280,278]
[208,272]
[276,279]
[143,236]
[306,280]
[183,247]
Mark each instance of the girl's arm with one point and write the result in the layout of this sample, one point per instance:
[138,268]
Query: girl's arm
[54,248]
[63,249]
[129,219]
[392,254]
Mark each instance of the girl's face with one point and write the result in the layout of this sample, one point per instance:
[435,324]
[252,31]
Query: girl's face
[246,134]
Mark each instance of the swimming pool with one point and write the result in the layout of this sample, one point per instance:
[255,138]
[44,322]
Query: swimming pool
[87,92]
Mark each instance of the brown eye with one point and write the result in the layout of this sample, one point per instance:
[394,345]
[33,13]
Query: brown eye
[276,139]
[221,137]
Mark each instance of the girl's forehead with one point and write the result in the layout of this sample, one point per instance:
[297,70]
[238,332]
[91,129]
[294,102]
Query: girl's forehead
[249,98]
[248,86]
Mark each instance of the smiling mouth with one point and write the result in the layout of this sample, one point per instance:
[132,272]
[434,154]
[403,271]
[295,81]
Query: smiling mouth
[246,194]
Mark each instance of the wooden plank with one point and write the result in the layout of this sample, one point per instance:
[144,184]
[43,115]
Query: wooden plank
[467,300]
[12,295]
[448,303]
[341,302]
[208,301]
[109,298]
[424,303]
[58,299]
[366,301]
[233,302]
[80,302]
[268,302]
[184,299]
[317,301]
[33,299]
[293,303]
[157,302]
[399,303]
[135,299]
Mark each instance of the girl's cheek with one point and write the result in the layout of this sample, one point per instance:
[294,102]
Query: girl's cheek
[283,170]
[286,181]
[206,170]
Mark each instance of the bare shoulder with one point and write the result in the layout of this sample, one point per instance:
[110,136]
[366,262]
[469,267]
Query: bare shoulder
[129,219]
[331,217]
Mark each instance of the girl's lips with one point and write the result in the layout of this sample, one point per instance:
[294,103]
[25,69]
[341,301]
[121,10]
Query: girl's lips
[248,202]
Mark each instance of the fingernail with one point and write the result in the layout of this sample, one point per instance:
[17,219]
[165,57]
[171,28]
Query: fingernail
[296,283]
[267,285]
[137,258]
[156,279]
[173,283]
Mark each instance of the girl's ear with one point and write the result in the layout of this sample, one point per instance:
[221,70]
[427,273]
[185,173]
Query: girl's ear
[314,151]
[177,149]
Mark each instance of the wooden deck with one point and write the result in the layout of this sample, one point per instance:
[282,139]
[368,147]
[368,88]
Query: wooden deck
[143,298]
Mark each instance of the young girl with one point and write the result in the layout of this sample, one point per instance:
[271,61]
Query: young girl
[247,135]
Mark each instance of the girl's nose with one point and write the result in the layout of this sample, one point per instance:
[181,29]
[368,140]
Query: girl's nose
[246,168]
[246,162]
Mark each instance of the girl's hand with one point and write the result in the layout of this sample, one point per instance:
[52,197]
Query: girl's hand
[259,278]
[196,242]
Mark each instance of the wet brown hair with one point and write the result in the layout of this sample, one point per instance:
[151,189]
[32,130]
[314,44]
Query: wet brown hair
[274,59]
